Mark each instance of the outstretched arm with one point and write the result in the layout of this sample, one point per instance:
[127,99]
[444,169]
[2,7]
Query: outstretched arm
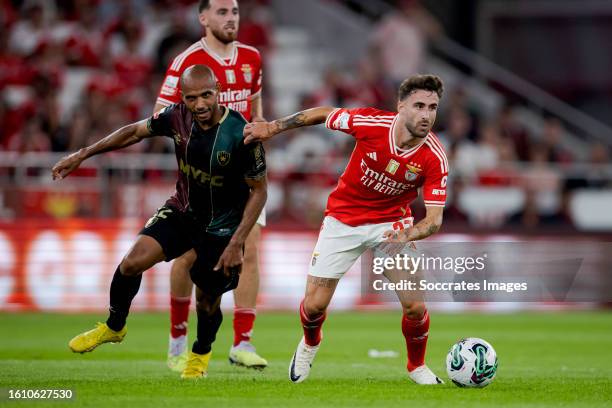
[261,131]
[123,137]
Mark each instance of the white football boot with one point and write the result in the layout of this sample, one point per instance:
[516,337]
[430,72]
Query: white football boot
[302,361]
[424,376]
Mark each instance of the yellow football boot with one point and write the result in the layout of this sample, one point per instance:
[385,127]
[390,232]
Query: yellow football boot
[197,366]
[91,339]
[179,362]
[244,355]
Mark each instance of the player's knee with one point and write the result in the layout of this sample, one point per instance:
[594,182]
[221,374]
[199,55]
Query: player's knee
[414,310]
[132,266]
[251,246]
[183,263]
[180,269]
[250,260]
[206,308]
[314,306]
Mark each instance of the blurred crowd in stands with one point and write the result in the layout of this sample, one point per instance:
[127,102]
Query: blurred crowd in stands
[71,71]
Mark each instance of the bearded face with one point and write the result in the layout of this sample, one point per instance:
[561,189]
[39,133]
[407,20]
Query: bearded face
[221,18]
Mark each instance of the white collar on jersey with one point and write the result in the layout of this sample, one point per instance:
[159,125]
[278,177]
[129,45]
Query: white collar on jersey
[217,57]
[398,151]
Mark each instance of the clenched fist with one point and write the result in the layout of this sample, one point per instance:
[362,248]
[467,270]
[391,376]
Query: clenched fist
[66,165]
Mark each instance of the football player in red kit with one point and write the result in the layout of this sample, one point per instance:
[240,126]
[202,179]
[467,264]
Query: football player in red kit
[395,154]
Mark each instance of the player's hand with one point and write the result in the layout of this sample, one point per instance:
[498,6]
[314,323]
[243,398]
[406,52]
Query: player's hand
[397,236]
[66,165]
[257,132]
[231,257]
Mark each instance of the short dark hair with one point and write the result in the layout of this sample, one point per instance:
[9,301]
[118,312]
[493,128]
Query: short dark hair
[431,83]
[203,5]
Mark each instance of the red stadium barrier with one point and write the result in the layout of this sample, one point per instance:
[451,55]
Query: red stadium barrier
[67,265]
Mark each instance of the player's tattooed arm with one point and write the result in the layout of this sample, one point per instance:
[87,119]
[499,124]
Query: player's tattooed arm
[426,227]
[265,130]
[290,122]
[308,117]
[123,137]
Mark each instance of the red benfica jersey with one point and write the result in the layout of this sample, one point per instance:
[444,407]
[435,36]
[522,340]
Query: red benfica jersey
[240,75]
[381,180]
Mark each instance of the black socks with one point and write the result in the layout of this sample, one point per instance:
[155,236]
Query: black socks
[123,289]
[208,325]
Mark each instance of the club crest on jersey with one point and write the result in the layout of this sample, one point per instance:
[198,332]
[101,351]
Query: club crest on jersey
[413,169]
[412,172]
[410,176]
[230,76]
[247,72]
[392,167]
[223,157]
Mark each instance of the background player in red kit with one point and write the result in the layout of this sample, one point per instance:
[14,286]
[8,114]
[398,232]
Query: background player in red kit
[238,69]
[395,154]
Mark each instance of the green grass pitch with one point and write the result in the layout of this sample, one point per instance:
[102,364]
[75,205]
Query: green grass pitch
[545,359]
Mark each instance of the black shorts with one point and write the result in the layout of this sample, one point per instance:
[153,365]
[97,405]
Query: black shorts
[177,233]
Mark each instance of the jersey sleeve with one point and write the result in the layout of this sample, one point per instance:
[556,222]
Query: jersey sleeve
[358,122]
[436,175]
[160,124]
[169,92]
[254,156]
[257,79]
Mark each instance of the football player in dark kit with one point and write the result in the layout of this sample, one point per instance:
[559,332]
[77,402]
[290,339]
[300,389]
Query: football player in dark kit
[220,192]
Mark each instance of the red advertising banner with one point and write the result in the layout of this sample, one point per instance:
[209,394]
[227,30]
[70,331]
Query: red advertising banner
[67,265]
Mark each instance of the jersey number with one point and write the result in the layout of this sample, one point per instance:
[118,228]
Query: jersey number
[161,213]
[400,225]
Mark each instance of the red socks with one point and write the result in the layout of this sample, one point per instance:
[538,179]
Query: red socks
[312,326]
[416,333]
[244,318]
[179,315]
